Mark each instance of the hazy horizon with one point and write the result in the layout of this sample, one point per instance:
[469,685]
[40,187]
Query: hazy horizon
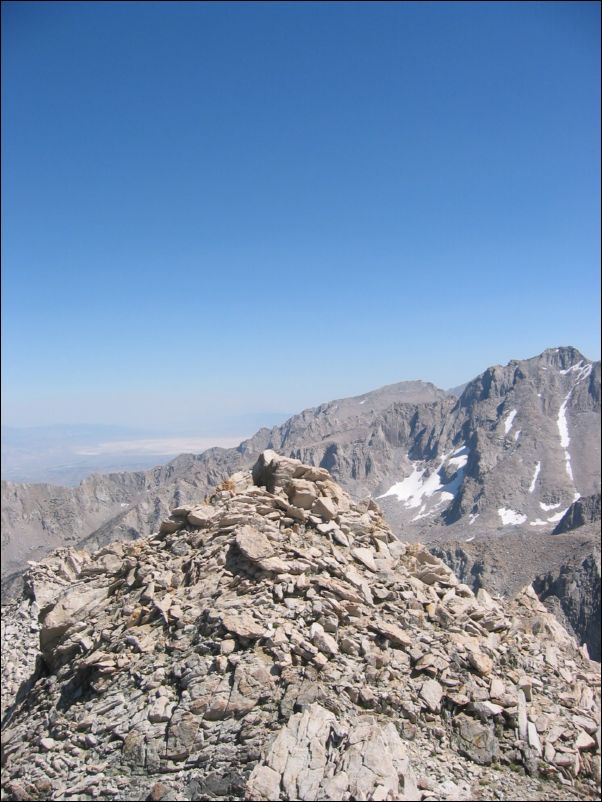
[65,454]
[219,425]
[210,210]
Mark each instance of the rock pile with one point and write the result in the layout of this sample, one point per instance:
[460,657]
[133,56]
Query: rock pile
[278,642]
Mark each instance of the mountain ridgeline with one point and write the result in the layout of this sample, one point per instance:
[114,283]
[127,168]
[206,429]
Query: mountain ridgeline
[517,453]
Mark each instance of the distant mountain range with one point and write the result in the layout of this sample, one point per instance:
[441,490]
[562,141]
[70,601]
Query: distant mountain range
[511,455]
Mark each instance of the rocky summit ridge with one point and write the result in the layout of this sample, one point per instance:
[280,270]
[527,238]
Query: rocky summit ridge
[275,642]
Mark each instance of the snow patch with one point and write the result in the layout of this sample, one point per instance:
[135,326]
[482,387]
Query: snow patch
[446,495]
[416,488]
[469,539]
[511,517]
[547,507]
[535,475]
[363,402]
[461,459]
[422,513]
[538,522]
[583,372]
[473,517]
[554,518]
[563,429]
[509,420]
[578,366]
[516,435]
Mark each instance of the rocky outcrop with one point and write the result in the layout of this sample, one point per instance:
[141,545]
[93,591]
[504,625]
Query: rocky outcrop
[564,571]
[584,511]
[314,756]
[271,650]
[573,594]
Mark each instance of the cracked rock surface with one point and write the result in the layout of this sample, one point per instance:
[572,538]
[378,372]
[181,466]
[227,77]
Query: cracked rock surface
[278,642]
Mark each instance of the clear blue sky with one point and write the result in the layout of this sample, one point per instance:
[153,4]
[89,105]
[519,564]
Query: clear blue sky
[216,209]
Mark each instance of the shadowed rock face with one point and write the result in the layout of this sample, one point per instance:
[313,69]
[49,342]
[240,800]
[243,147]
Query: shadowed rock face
[581,512]
[576,591]
[564,572]
[258,649]
[509,455]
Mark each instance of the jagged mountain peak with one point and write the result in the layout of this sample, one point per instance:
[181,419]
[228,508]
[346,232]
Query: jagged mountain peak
[348,420]
[277,641]
[562,357]
[529,431]
[499,380]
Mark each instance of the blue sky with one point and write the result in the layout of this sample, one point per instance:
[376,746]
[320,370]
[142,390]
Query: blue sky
[212,210]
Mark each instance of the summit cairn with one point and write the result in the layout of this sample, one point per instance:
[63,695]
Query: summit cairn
[277,642]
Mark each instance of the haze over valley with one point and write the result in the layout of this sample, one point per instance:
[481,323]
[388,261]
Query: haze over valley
[66,454]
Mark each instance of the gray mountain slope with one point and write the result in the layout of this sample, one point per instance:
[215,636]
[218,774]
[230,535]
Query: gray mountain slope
[517,448]
[458,390]
[524,441]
